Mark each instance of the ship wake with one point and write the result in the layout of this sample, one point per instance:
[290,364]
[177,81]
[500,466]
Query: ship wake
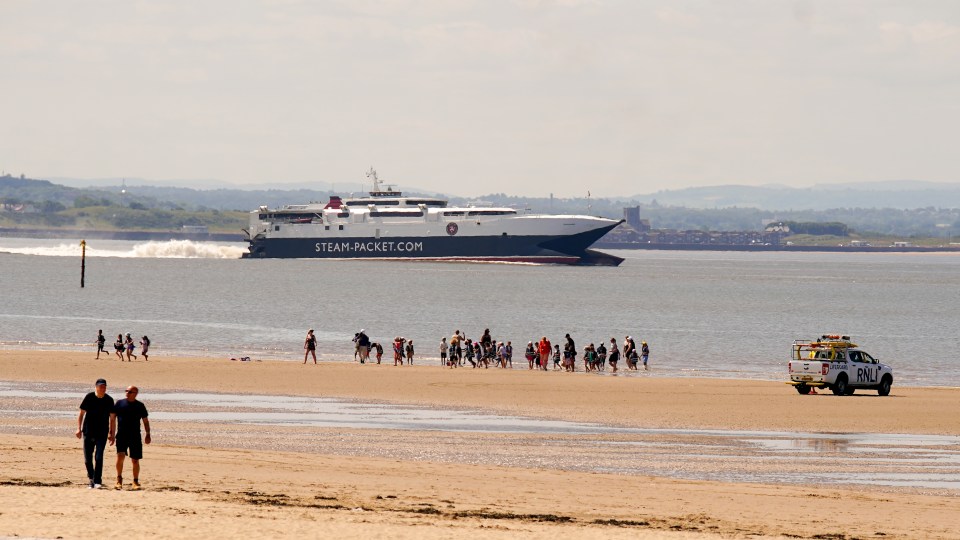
[169,249]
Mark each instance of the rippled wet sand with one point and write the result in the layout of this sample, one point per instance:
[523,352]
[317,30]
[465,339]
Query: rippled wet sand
[914,463]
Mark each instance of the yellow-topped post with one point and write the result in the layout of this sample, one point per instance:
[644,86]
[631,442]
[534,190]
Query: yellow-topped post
[83,260]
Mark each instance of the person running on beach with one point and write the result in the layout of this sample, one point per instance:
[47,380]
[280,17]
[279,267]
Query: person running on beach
[443,351]
[614,354]
[644,353]
[481,355]
[125,432]
[101,341]
[410,352]
[93,427]
[118,346]
[310,346]
[469,348]
[130,346]
[144,347]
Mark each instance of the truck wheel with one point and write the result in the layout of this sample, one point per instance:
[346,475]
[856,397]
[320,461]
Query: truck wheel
[840,387]
[885,384]
[802,389]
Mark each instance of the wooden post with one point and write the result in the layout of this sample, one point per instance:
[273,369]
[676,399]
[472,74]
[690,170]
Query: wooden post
[83,261]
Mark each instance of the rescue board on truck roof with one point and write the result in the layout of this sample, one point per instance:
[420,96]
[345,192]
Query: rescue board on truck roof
[836,363]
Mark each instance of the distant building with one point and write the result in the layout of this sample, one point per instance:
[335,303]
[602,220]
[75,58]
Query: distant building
[632,215]
[775,226]
[195,229]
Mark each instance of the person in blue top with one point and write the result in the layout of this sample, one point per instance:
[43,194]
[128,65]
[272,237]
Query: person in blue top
[93,425]
[125,431]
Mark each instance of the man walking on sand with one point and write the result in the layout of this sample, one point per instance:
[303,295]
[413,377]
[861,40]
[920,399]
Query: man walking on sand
[125,423]
[93,425]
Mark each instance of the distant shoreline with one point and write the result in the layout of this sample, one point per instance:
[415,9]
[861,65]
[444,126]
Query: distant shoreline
[120,235]
[16,232]
[756,247]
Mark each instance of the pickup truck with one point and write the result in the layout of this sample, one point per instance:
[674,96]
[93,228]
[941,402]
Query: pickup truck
[834,362]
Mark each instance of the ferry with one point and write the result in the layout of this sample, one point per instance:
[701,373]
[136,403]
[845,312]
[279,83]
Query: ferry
[386,224]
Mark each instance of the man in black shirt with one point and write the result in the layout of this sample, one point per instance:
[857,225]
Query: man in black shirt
[125,423]
[93,425]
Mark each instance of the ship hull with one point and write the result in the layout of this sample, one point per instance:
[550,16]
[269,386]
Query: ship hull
[542,249]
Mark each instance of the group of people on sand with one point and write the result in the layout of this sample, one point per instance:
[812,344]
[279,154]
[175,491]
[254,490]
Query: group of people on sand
[596,358]
[362,347]
[487,351]
[484,352]
[123,345]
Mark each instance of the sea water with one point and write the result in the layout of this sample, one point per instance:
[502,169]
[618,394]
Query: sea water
[711,314]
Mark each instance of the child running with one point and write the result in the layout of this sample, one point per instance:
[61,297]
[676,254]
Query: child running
[469,354]
[101,340]
[130,346]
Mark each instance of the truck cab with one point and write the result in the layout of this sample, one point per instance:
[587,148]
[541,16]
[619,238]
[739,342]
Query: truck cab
[834,362]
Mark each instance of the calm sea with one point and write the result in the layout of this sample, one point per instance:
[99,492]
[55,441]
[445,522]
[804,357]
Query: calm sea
[713,314]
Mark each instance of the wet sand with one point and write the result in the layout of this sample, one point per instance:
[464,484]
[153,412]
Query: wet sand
[293,484]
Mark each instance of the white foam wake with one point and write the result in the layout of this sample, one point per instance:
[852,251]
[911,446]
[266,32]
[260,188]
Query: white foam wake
[169,249]
[187,249]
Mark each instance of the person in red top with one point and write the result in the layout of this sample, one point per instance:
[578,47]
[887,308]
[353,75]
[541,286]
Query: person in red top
[544,349]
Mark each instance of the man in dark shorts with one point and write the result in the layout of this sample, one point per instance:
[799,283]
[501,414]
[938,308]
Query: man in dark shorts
[125,423]
[101,341]
[93,426]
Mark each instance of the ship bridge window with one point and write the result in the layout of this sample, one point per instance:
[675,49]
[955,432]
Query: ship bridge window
[454,213]
[491,212]
[425,202]
[397,213]
[343,214]
[378,202]
[296,216]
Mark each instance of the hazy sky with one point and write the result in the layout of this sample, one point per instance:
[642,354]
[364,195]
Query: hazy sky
[525,97]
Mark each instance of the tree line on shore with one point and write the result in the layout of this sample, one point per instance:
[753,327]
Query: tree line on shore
[29,202]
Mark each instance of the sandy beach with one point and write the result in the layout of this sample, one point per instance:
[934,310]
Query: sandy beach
[203,480]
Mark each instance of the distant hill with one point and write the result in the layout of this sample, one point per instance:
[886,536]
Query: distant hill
[903,195]
[892,208]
